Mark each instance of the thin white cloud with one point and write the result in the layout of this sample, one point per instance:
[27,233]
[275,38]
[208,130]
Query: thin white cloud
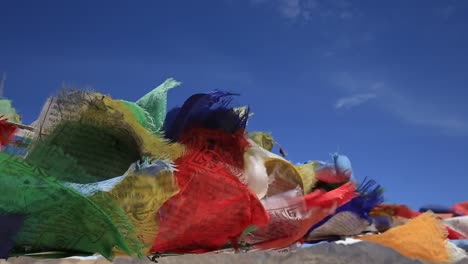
[406,108]
[257,2]
[353,101]
[307,9]
[295,9]
[425,114]
[290,8]
[446,11]
[346,14]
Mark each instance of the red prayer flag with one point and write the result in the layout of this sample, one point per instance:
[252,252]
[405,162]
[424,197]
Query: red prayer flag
[7,132]
[213,207]
[461,208]
[292,215]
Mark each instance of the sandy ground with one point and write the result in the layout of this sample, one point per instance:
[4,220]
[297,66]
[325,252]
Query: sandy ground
[327,253]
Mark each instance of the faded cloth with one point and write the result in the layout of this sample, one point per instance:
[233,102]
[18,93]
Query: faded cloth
[423,237]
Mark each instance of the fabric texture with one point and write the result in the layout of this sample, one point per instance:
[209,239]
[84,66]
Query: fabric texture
[461,208]
[141,194]
[308,175]
[85,141]
[102,136]
[283,176]
[459,224]
[264,140]
[8,112]
[353,217]
[292,214]
[339,171]
[190,221]
[115,177]
[155,103]
[10,225]
[19,144]
[423,237]
[80,225]
[7,132]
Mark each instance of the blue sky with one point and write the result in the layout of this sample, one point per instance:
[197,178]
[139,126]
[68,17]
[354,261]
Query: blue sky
[381,81]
